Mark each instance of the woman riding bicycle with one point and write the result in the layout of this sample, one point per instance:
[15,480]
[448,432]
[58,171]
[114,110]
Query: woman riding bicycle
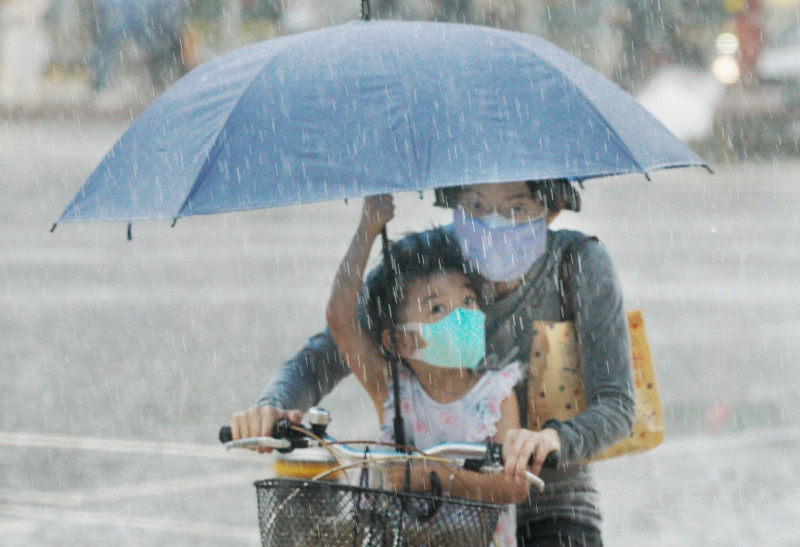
[499,229]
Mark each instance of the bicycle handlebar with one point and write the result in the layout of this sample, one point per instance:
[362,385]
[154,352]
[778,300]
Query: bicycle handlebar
[472,456]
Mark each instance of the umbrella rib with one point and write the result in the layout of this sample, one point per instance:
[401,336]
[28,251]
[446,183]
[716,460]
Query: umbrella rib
[411,135]
[211,152]
[588,99]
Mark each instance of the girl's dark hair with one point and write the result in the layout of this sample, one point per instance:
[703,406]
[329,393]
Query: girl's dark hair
[556,194]
[416,257]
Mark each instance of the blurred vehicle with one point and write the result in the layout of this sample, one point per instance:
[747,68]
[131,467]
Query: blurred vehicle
[760,112]
[780,59]
[779,64]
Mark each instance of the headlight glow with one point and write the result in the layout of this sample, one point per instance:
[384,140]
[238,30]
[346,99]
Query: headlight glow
[727,43]
[726,69]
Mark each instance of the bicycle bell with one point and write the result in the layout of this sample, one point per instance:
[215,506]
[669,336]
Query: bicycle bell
[319,418]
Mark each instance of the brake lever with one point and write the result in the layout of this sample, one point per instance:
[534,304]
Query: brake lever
[492,462]
[494,456]
[285,438]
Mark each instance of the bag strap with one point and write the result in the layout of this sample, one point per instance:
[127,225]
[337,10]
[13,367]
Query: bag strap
[565,268]
[564,272]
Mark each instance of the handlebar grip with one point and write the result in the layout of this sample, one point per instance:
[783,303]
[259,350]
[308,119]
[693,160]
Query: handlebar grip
[285,439]
[495,454]
[283,429]
[551,461]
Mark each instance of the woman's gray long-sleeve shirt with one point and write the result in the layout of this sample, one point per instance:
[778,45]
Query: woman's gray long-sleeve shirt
[595,296]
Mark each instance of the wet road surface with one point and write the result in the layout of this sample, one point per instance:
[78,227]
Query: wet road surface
[122,358]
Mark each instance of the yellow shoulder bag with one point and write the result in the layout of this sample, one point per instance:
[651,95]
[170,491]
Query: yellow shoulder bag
[555,385]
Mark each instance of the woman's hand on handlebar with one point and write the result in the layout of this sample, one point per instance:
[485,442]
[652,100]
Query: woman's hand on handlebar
[259,421]
[524,449]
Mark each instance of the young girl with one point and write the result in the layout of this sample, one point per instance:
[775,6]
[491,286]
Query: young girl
[440,336]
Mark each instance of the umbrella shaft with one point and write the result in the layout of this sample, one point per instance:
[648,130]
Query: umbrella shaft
[399,428]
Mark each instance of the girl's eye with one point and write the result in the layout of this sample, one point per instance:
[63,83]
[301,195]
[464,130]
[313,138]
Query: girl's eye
[469,301]
[476,207]
[437,309]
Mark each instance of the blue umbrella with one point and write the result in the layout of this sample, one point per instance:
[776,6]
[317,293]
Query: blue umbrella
[366,108]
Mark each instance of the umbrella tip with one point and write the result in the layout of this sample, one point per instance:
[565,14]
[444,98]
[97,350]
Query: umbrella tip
[53,229]
[130,235]
[174,222]
[708,168]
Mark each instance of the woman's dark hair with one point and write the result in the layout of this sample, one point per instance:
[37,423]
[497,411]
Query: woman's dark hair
[416,257]
[556,194]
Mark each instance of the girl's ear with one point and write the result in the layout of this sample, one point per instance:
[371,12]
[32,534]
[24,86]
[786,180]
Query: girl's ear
[386,341]
[402,342]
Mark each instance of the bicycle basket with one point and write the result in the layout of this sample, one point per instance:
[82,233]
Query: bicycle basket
[296,513]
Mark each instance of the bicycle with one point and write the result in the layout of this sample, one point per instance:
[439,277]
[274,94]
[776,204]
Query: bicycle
[317,511]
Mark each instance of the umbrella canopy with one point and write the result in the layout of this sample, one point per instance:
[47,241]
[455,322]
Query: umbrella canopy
[372,107]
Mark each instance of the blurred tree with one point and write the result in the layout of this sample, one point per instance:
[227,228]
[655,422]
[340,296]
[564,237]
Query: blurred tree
[153,26]
[666,32]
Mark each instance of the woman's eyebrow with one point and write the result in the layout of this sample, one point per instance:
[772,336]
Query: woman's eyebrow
[520,195]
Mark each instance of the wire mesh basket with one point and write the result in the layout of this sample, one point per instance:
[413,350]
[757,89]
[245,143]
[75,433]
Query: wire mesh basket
[294,512]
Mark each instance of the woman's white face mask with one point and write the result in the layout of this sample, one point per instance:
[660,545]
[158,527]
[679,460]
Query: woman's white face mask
[499,248]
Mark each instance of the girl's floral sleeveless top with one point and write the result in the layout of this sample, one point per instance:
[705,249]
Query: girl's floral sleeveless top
[472,418]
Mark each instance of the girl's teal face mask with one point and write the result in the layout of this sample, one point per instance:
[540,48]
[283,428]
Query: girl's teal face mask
[455,341]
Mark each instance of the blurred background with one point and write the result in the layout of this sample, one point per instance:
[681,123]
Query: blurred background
[121,358]
[722,74]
